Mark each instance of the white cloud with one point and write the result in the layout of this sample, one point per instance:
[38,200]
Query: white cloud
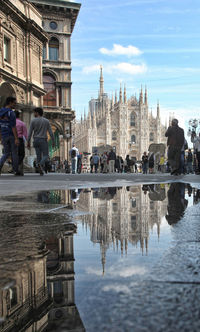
[120,68]
[117,288]
[121,50]
[128,68]
[91,69]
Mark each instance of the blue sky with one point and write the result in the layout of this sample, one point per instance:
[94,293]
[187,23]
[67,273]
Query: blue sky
[139,42]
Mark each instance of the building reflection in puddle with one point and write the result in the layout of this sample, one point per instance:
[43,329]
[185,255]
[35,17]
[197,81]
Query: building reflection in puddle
[37,274]
[37,251]
[123,215]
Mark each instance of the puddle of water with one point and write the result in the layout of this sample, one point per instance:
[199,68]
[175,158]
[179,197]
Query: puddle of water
[53,266]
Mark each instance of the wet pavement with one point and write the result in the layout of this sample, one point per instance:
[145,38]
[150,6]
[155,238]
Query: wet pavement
[122,258]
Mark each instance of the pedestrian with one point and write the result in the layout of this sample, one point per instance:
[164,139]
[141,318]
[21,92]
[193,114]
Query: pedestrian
[175,142]
[196,141]
[22,135]
[145,163]
[111,161]
[96,160]
[117,164]
[189,160]
[101,163]
[128,164]
[182,169]
[39,128]
[8,134]
[151,163]
[74,158]
[91,164]
[79,163]
[162,164]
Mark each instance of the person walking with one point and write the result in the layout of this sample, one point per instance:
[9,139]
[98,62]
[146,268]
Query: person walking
[189,159]
[8,134]
[74,158]
[96,160]
[145,161]
[175,142]
[22,135]
[151,163]
[196,141]
[91,164]
[39,128]
[111,161]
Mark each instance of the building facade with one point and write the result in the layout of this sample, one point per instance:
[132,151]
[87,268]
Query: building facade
[59,19]
[21,46]
[126,125]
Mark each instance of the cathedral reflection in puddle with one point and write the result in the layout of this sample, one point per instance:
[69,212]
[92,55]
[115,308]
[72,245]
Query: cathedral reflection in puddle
[60,232]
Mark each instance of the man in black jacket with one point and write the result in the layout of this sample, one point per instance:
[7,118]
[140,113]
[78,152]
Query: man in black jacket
[175,143]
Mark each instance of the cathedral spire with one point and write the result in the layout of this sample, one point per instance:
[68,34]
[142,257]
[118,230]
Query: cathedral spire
[113,101]
[141,96]
[125,98]
[146,97]
[158,110]
[115,96]
[120,94]
[101,81]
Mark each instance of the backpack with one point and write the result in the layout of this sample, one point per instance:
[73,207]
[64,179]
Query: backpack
[73,153]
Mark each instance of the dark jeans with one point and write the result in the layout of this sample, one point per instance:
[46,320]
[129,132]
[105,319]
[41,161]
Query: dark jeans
[198,160]
[9,149]
[42,150]
[144,168]
[96,167]
[21,151]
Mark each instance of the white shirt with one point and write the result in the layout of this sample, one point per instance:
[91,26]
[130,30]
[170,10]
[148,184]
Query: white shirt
[77,152]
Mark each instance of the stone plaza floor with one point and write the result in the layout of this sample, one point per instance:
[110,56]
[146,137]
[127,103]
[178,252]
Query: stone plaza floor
[99,252]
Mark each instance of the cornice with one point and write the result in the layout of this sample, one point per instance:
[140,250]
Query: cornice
[15,15]
[63,8]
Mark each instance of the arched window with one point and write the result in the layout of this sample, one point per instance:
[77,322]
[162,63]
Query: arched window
[133,139]
[132,120]
[133,202]
[133,223]
[114,135]
[151,137]
[49,86]
[53,49]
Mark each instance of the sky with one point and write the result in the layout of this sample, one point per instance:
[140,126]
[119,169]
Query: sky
[153,43]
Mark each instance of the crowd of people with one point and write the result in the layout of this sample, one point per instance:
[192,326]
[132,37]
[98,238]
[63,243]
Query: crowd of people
[14,134]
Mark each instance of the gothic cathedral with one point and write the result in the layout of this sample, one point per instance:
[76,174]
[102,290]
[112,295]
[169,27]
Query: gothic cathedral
[126,125]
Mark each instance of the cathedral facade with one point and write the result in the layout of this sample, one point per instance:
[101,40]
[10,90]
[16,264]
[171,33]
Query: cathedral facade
[124,124]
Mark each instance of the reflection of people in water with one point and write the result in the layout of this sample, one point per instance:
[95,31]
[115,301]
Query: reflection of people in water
[189,188]
[75,194]
[156,192]
[196,196]
[145,188]
[176,202]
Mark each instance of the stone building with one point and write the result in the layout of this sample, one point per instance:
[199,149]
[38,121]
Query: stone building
[59,19]
[21,45]
[35,61]
[125,124]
